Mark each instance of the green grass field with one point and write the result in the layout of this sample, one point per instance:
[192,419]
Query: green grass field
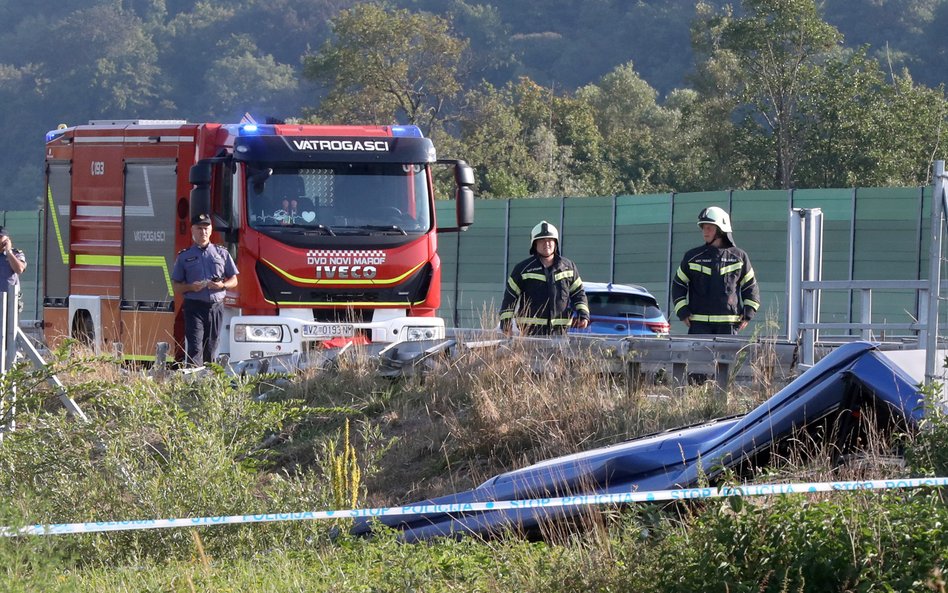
[216,445]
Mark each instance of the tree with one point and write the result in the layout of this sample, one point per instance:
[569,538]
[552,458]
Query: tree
[105,61]
[638,135]
[490,135]
[242,80]
[775,49]
[387,66]
[843,123]
[103,66]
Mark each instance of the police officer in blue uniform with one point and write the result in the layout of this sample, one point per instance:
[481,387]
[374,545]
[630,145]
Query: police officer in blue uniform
[12,263]
[202,274]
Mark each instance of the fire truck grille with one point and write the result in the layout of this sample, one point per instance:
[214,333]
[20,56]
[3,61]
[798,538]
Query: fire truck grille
[413,289]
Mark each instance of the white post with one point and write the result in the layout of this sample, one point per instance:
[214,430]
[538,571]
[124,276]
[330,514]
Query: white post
[934,272]
[794,274]
[812,262]
[10,325]
[3,333]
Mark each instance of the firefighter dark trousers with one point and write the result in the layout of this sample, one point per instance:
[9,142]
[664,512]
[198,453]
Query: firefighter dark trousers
[202,328]
[705,327]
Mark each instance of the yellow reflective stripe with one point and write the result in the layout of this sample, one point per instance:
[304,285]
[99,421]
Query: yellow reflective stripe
[537,321]
[752,304]
[717,318]
[506,315]
[59,234]
[680,304]
[682,276]
[530,276]
[576,285]
[582,307]
[513,286]
[731,268]
[563,275]
[99,260]
[347,281]
[132,261]
[747,277]
[700,268]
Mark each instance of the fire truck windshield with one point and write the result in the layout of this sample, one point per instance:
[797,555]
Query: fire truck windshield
[340,199]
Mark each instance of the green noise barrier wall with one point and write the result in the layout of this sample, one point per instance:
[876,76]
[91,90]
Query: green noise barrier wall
[868,234]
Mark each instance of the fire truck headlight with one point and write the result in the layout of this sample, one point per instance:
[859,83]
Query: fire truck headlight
[258,333]
[416,334]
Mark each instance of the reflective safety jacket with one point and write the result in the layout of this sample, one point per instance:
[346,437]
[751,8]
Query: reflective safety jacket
[543,300]
[715,285]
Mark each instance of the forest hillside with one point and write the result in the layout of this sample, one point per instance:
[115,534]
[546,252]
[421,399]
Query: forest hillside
[70,61]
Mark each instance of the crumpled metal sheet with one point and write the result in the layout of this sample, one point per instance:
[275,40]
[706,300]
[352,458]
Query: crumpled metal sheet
[853,378]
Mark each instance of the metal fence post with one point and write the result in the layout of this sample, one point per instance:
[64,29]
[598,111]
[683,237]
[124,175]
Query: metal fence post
[10,325]
[3,335]
[612,253]
[934,271]
[812,262]
[794,273]
[865,313]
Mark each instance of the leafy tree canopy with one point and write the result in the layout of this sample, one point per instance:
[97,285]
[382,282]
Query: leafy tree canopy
[387,66]
[544,98]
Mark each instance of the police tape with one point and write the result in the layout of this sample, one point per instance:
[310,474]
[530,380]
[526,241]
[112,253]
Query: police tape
[414,510]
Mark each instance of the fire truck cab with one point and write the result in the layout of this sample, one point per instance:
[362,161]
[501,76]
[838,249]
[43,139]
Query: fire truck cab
[332,228]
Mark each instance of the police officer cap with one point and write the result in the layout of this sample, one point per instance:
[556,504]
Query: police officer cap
[201,219]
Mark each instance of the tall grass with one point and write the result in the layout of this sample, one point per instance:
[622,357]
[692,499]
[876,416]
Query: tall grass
[220,445]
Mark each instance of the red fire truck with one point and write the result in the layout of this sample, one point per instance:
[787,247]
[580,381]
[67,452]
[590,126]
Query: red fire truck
[332,227]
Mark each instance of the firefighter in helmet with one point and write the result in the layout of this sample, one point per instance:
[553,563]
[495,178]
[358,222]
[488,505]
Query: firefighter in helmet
[714,290]
[544,292]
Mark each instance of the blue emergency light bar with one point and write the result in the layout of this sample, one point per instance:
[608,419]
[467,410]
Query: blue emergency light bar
[255,130]
[407,132]
[54,133]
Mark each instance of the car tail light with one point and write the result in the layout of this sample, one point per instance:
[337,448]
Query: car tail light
[658,327]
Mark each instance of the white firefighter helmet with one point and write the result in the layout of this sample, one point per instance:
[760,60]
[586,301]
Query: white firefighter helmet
[716,216]
[719,218]
[544,230]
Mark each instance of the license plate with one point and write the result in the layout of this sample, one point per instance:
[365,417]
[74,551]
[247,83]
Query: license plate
[329,330]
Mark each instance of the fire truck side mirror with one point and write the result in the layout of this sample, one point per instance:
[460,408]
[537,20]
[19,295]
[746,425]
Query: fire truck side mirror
[200,174]
[200,200]
[463,174]
[464,199]
[464,207]
[463,196]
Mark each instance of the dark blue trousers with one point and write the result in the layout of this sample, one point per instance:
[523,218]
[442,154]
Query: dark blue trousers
[705,327]
[202,328]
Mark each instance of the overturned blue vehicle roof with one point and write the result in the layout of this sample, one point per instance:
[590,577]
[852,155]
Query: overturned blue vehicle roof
[856,383]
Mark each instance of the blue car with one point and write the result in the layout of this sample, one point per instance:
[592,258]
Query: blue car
[623,309]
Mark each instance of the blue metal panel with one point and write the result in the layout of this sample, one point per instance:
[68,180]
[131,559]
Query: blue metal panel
[853,378]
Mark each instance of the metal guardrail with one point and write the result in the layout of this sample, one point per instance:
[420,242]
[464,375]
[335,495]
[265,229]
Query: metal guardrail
[725,358]
[805,289]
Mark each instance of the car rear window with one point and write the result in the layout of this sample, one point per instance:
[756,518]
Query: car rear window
[622,305]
